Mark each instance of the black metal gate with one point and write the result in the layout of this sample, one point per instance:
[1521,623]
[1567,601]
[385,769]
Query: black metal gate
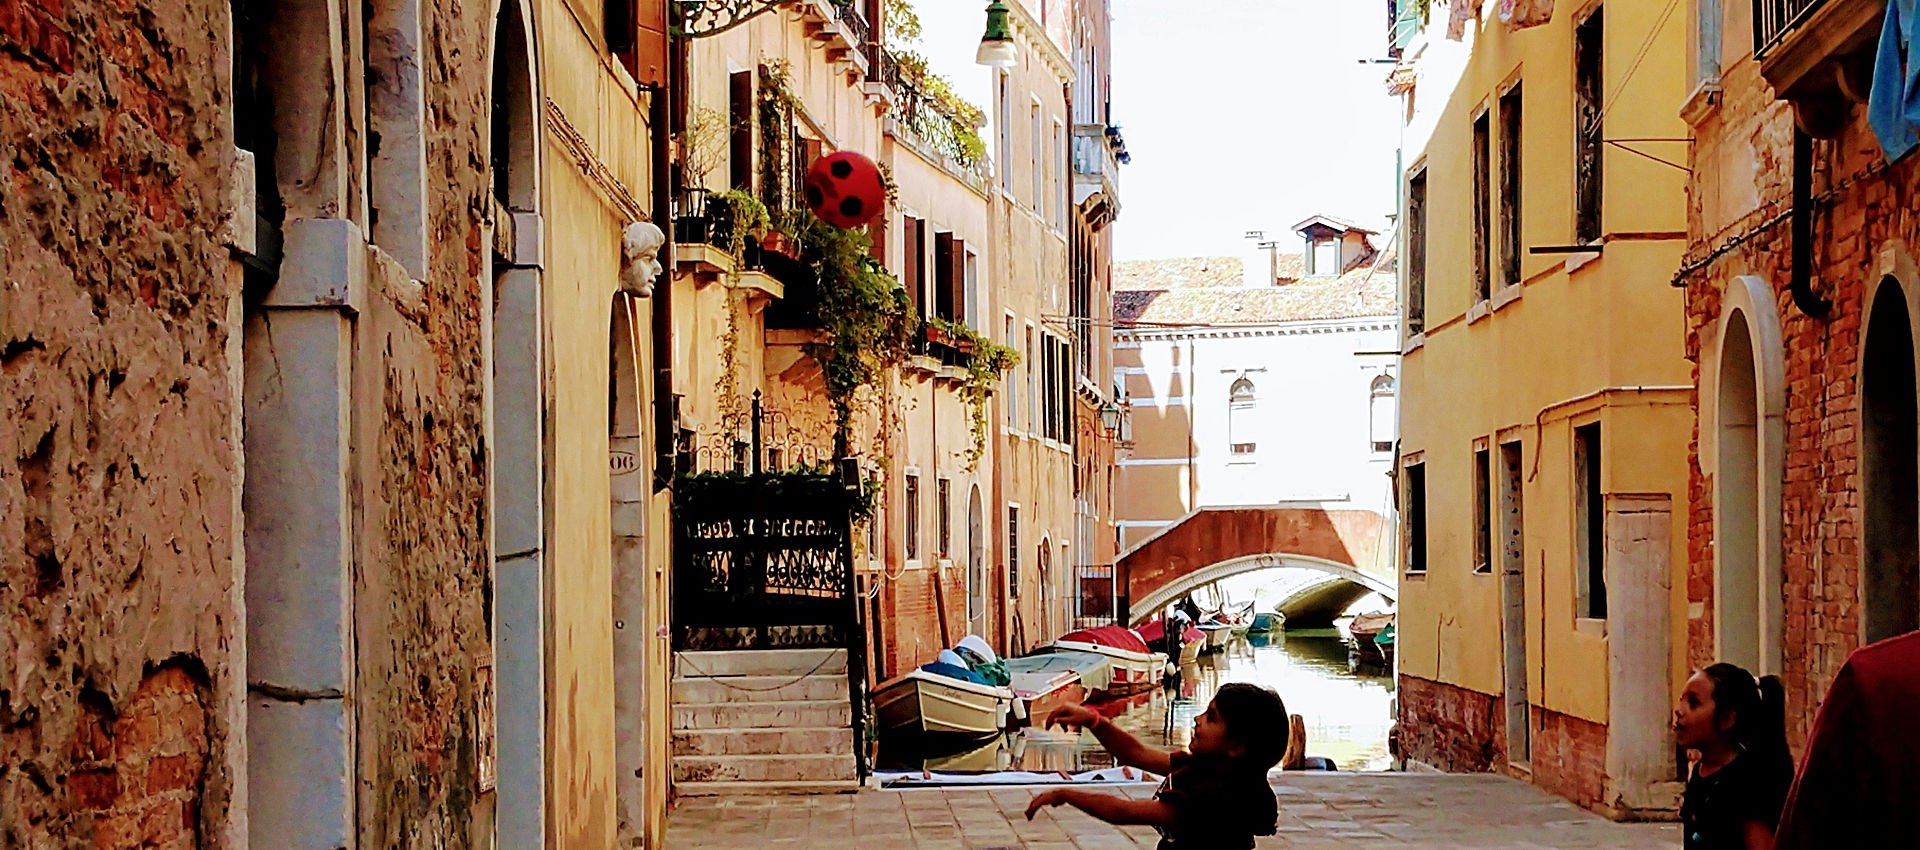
[763,562]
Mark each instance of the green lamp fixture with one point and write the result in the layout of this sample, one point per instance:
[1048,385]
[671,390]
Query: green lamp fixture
[996,47]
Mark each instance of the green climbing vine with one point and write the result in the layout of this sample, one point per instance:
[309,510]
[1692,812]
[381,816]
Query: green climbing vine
[988,361]
[866,323]
[734,215]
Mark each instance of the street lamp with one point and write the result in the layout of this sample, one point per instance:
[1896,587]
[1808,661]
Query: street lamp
[996,46]
[1110,418]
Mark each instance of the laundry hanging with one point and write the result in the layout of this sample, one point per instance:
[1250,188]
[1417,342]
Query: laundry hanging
[1893,105]
[1521,14]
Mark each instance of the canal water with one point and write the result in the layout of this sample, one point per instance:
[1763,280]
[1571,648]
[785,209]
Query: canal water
[1347,710]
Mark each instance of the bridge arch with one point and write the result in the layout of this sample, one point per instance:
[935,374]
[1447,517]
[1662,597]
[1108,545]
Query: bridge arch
[1148,606]
[1353,547]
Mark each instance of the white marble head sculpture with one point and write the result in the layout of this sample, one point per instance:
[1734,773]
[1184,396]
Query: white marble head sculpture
[640,258]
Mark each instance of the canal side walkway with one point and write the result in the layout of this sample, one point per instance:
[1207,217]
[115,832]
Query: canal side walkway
[1317,810]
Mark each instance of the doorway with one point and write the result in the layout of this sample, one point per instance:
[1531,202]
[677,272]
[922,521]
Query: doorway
[1890,481]
[1736,591]
[1513,605]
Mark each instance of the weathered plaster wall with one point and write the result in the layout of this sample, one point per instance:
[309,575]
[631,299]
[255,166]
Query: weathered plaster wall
[121,686]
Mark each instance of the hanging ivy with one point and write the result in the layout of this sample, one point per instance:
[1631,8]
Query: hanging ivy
[776,107]
[799,483]
[865,321]
[988,361]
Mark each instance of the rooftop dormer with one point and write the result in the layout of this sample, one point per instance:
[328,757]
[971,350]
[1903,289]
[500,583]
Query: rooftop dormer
[1333,245]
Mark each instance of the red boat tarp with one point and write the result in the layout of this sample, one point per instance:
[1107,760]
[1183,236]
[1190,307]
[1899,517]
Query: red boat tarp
[1153,632]
[1118,637]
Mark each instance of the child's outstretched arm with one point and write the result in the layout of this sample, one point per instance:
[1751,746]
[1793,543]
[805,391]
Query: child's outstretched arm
[1125,748]
[1112,808]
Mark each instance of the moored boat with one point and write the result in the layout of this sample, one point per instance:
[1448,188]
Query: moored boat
[1265,623]
[1136,667]
[1361,633]
[939,707]
[1043,683]
[1218,635]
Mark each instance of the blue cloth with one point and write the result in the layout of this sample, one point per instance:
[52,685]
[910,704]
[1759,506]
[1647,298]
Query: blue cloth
[953,672]
[1893,106]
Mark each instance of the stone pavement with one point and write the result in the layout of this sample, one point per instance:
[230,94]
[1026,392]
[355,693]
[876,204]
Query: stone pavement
[1316,811]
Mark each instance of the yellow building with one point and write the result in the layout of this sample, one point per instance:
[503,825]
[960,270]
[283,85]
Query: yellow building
[1032,502]
[583,519]
[1544,413]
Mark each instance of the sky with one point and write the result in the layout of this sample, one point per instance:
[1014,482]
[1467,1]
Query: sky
[1239,114]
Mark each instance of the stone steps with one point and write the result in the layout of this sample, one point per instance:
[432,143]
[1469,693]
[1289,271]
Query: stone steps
[822,740]
[763,715]
[688,690]
[715,789]
[764,768]
[761,662]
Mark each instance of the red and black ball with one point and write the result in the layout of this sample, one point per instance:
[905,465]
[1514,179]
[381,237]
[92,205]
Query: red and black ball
[845,189]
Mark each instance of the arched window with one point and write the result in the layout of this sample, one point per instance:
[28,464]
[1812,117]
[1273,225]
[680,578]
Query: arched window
[1240,424]
[1380,412]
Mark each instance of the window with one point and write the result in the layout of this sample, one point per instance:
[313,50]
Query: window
[1589,110]
[1380,410]
[1323,257]
[913,517]
[740,127]
[1591,519]
[1029,362]
[1049,398]
[1414,510]
[1482,215]
[943,518]
[1013,398]
[1510,187]
[948,276]
[1013,550]
[913,271]
[1005,133]
[1482,512]
[971,283]
[1039,155]
[1417,252]
[1240,422]
[1059,175]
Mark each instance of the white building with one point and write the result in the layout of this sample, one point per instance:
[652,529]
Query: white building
[1276,393]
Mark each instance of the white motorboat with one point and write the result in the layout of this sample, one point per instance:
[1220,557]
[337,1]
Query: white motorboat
[929,705]
[1135,667]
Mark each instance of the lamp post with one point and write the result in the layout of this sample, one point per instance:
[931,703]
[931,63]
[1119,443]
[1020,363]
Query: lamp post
[996,46]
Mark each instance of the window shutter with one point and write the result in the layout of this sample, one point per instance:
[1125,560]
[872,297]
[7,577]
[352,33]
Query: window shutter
[912,249]
[650,49]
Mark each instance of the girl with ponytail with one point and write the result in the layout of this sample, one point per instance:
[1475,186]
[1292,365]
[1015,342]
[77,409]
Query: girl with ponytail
[1736,727]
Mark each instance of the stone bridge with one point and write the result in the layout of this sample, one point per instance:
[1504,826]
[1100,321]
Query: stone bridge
[1354,548]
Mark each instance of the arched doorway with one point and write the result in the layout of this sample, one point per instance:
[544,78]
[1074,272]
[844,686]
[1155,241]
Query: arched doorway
[627,493]
[1736,592]
[519,445]
[1889,468]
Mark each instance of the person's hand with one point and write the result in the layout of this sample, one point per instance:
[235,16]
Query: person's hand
[1073,718]
[1052,797]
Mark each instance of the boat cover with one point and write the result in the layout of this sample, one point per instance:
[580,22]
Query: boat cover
[951,671]
[978,646]
[1095,670]
[1118,637]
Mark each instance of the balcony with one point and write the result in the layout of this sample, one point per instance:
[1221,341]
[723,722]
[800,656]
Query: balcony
[1097,154]
[945,129]
[1818,54]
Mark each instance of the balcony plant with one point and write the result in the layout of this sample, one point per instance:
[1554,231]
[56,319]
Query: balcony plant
[865,323]
[986,362]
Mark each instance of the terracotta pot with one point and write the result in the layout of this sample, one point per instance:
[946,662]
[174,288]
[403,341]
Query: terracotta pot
[778,243]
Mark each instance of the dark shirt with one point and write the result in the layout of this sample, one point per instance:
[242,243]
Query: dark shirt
[1217,805]
[1859,780]
[1716,808]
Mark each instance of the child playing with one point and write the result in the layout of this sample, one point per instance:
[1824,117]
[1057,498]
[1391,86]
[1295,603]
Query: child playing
[1215,795]
[1739,781]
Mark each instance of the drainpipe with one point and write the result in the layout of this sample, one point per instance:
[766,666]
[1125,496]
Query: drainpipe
[665,413]
[1801,283]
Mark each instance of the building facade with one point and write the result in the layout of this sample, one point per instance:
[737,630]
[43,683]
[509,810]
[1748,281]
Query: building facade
[1542,466]
[342,442]
[1798,279]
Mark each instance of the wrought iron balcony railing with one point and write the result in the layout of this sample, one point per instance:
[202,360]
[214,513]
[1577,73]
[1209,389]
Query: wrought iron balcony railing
[858,30]
[1773,20]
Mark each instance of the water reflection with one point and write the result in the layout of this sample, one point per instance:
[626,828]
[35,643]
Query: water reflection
[1347,711]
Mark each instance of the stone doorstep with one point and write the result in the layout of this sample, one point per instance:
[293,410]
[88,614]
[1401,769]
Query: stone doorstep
[819,740]
[761,662]
[700,690]
[751,789]
[764,768]
[763,715]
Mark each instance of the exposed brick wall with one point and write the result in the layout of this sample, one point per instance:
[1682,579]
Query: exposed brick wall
[139,777]
[1569,756]
[119,480]
[912,627]
[1451,728]
[1870,206]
